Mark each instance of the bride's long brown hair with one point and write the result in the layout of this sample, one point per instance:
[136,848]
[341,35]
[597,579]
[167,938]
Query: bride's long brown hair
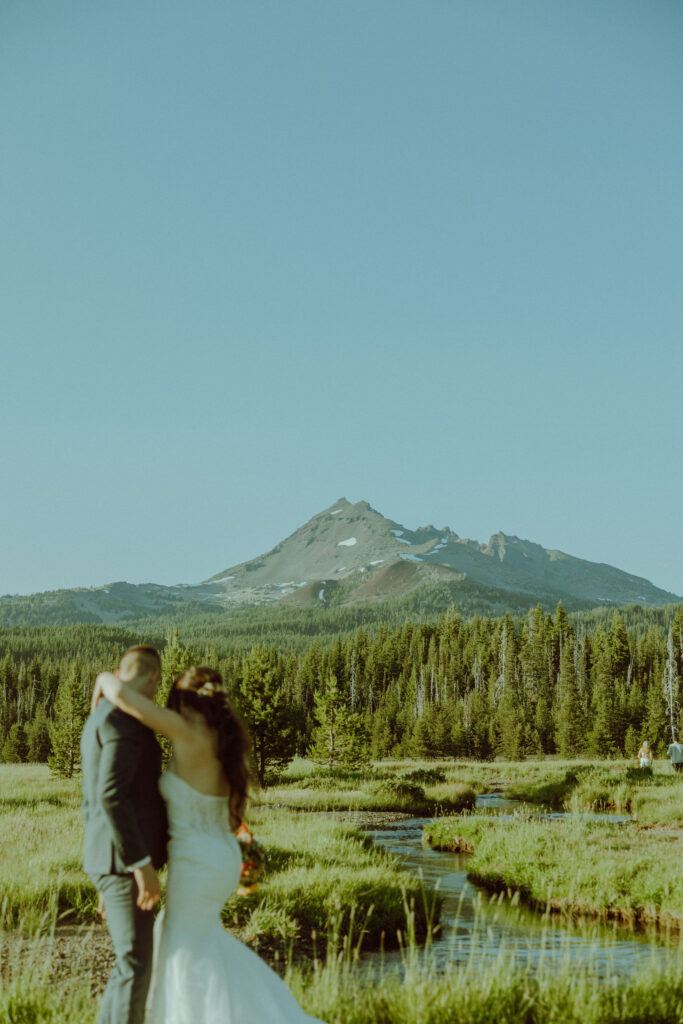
[201,689]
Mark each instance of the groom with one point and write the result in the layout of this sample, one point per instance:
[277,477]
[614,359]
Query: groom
[125,834]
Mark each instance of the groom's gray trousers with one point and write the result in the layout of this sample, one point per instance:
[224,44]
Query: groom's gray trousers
[131,931]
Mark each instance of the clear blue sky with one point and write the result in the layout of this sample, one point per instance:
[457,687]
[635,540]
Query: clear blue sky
[257,256]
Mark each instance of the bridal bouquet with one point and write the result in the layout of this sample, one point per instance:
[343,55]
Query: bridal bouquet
[253,857]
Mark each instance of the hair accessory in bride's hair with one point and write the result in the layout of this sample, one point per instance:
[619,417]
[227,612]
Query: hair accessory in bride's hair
[208,690]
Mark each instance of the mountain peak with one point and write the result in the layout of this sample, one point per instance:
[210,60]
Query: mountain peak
[351,553]
[352,543]
[508,546]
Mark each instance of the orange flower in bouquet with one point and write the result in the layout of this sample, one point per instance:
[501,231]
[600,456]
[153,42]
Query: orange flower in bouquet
[253,858]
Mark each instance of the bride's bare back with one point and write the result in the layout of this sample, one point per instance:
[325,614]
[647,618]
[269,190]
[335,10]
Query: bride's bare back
[195,757]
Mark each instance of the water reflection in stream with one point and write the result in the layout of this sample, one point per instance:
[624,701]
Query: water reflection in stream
[474,929]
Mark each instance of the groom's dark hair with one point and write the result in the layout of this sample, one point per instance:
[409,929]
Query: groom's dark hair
[141,659]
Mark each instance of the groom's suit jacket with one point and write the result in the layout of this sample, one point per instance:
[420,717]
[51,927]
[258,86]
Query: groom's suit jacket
[123,812]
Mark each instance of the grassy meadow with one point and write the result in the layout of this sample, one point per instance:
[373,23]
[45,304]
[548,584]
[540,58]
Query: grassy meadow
[630,872]
[40,848]
[324,878]
[336,993]
[406,787]
[322,875]
[328,892]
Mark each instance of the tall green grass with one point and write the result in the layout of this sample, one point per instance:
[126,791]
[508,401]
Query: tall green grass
[653,796]
[40,847]
[575,867]
[319,871]
[323,875]
[338,990]
[450,787]
[416,791]
[28,991]
[551,993]
[319,868]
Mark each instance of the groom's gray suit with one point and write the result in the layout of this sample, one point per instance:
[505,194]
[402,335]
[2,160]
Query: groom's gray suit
[125,826]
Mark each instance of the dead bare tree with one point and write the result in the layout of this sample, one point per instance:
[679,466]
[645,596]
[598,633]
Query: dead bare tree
[670,683]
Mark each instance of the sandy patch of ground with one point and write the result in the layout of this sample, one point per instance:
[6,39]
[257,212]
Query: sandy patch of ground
[74,952]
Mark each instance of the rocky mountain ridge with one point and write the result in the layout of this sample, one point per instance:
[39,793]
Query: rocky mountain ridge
[352,554]
[355,545]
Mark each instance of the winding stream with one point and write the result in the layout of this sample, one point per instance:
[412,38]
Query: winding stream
[474,929]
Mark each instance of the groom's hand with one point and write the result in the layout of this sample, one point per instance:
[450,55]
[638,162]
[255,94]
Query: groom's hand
[149,889]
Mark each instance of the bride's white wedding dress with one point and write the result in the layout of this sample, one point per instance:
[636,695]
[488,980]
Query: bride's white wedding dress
[202,974]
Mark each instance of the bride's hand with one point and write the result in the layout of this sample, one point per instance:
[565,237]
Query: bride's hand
[106,685]
[96,695]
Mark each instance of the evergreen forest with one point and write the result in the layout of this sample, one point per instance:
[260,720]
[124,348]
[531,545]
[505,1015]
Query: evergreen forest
[541,683]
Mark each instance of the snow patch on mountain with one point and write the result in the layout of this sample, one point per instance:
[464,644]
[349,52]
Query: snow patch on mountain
[347,543]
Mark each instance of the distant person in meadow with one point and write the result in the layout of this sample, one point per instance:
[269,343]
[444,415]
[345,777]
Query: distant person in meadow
[202,974]
[675,752]
[645,755]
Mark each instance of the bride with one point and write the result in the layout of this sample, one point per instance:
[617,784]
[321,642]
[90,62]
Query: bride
[202,974]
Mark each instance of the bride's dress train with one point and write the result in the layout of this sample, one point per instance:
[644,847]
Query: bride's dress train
[202,974]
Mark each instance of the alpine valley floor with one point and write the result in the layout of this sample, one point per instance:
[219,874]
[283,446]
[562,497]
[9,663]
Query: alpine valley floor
[329,892]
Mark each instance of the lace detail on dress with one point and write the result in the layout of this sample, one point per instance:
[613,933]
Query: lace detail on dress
[190,810]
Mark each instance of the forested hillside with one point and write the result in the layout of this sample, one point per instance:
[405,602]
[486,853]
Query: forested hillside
[587,683]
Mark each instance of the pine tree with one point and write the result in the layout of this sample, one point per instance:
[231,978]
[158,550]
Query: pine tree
[655,726]
[384,726]
[357,742]
[267,710]
[631,742]
[476,717]
[619,647]
[340,737]
[425,739]
[636,707]
[15,747]
[457,735]
[569,734]
[38,737]
[536,676]
[70,713]
[602,738]
[509,717]
[561,626]
[175,658]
